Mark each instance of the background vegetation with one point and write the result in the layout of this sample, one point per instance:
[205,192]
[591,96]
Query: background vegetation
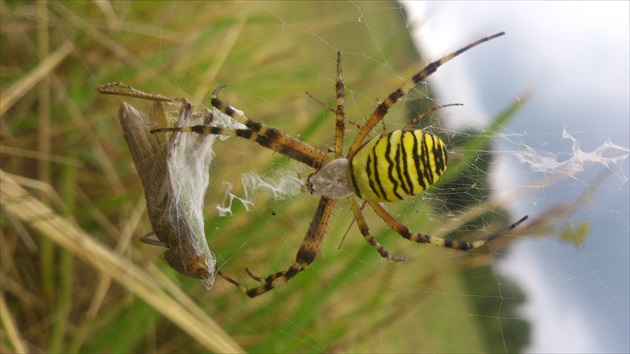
[75,276]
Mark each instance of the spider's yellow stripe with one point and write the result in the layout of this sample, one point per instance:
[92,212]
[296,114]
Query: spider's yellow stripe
[397,165]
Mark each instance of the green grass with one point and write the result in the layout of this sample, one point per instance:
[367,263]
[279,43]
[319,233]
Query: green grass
[89,285]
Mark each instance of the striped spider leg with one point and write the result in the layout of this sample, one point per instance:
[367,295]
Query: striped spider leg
[392,166]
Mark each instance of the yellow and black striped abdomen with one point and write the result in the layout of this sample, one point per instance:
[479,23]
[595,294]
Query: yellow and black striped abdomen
[397,165]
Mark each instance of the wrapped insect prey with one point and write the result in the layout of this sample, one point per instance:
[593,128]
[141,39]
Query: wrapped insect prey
[174,171]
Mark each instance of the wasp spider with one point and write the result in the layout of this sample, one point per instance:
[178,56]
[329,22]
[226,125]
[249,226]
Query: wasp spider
[390,167]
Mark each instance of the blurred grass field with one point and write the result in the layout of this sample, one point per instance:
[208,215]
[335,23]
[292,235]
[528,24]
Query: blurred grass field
[75,277]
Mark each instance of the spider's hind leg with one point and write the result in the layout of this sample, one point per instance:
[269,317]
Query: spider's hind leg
[365,231]
[403,231]
[268,282]
[305,255]
[240,286]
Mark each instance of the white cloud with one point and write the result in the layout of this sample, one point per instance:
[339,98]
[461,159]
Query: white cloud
[558,322]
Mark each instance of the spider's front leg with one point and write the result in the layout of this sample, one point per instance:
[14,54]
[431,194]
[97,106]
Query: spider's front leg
[305,256]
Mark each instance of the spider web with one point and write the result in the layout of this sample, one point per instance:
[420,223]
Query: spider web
[561,157]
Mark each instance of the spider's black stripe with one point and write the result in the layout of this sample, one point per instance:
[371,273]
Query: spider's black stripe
[422,238]
[259,290]
[222,106]
[353,177]
[405,164]
[440,155]
[418,146]
[368,173]
[430,69]
[391,164]
[444,158]
[257,127]
[254,126]
[416,162]
[426,159]
[400,164]
[377,179]
[391,99]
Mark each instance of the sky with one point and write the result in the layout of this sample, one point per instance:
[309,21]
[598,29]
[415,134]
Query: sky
[573,58]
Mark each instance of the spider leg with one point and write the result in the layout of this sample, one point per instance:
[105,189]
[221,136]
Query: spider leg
[393,97]
[285,144]
[305,255]
[267,137]
[254,276]
[265,141]
[430,110]
[339,112]
[365,231]
[403,231]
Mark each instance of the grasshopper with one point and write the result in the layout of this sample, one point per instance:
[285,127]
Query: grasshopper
[174,173]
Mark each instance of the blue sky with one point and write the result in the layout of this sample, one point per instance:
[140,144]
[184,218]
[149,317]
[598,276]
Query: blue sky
[574,58]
